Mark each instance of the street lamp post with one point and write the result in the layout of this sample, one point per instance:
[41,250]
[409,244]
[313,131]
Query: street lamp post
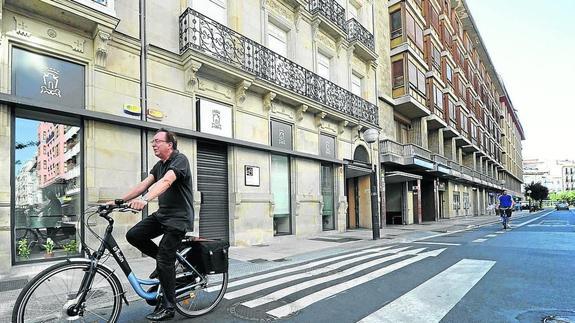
[529,197]
[371,136]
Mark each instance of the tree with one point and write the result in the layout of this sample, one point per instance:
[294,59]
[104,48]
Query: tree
[538,192]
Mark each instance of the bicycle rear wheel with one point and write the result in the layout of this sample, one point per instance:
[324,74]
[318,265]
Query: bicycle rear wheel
[202,297]
[51,293]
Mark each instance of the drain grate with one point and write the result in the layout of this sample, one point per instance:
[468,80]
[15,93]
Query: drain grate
[257,315]
[12,284]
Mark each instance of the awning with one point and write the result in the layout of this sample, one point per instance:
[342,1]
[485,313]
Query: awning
[400,177]
[352,171]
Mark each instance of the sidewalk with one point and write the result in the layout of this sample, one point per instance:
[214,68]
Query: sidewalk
[288,250]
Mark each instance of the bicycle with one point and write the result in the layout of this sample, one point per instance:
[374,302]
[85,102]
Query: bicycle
[505,214]
[85,289]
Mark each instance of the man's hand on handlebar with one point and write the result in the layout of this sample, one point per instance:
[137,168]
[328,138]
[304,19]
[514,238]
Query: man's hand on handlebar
[138,204]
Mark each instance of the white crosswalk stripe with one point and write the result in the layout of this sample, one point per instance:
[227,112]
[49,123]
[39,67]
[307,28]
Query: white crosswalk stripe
[302,267]
[310,283]
[316,281]
[445,289]
[308,300]
[258,287]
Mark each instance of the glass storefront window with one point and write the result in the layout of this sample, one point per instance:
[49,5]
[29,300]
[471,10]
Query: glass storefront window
[47,189]
[280,188]
[327,192]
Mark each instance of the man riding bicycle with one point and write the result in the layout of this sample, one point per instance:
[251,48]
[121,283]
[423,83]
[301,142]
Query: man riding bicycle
[170,180]
[505,207]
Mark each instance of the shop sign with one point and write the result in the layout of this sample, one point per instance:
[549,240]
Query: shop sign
[48,79]
[327,146]
[423,163]
[215,118]
[281,135]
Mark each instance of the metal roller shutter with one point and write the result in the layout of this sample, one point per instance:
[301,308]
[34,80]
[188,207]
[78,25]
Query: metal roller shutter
[213,184]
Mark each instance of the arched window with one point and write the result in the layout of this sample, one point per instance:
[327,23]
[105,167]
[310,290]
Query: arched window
[360,154]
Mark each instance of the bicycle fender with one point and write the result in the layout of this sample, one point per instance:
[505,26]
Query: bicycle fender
[88,261]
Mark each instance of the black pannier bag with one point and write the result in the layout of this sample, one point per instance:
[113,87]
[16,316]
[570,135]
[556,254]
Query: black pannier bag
[209,256]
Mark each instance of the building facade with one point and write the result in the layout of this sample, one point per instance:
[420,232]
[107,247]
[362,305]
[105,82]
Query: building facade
[552,174]
[270,100]
[457,138]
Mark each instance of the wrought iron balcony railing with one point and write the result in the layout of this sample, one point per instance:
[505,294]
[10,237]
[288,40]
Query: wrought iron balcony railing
[331,10]
[209,37]
[356,32]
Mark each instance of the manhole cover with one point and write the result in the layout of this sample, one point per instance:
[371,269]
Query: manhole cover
[547,316]
[258,315]
[559,319]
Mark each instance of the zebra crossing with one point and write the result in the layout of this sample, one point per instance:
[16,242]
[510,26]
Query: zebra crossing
[286,291]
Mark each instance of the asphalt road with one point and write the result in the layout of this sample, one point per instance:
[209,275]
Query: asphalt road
[525,274]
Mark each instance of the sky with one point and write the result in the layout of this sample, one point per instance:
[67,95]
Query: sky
[532,46]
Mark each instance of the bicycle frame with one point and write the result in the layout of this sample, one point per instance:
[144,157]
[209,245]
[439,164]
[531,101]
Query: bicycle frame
[110,244]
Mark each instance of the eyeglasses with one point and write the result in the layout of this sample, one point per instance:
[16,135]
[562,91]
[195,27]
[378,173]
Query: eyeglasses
[156,141]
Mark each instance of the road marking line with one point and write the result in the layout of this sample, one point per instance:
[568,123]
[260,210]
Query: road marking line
[258,287]
[532,220]
[479,240]
[491,235]
[439,243]
[500,232]
[432,300]
[330,291]
[304,266]
[314,282]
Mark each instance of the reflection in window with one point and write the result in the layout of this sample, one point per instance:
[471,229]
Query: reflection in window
[280,187]
[47,192]
[327,193]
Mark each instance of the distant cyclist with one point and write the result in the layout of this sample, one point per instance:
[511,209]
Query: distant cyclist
[505,207]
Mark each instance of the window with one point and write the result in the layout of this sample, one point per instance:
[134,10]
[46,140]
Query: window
[355,85]
[323,65]
[215,9]
[438,97]
[354,12]
[414,31]
[327,193]
[464,125]
[416,78]
[436,57]
[46,202]
[451,107]
[449,72]
[397,70]
[277,39]
[456,201]
[396,30]
[280,188]
[435,19]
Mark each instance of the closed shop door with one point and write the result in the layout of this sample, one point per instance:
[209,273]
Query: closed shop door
[213,184]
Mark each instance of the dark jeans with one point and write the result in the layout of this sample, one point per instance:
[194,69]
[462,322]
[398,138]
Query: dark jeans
[141,235]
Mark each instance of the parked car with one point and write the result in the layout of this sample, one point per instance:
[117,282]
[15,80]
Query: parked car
[524,205]
[561,206]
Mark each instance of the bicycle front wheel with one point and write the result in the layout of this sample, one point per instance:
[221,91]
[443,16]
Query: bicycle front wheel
[50,295]
[199,297]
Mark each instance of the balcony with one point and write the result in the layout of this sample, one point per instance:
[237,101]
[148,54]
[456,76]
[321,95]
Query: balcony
[87,15]
[208,37]
[70,153]
[72,173]
[407,155]
[361,39]
[442,167]
[331,16]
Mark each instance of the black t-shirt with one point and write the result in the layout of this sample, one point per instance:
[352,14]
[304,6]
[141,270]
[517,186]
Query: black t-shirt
[176,202]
